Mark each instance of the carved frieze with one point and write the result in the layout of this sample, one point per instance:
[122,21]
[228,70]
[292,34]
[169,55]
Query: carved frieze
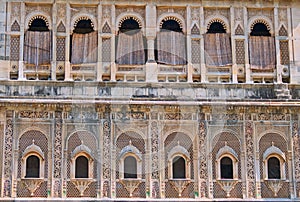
[42,8]
[34,114]
[57,145]
[8,156]
[216,11]
[106,149]
[84,10]
[295,136]
[155,150]
[203,173]
[250,158]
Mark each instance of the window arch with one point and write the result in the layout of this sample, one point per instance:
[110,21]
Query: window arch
[273,168]
[83,26]
[260,29]
[171,25]
[38,24]
[32,167]
[81,167]
[130,167]
[226,167]
[216,27]
[178,167]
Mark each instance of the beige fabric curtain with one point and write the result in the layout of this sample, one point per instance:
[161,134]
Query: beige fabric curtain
[130,49]
[262,52]
[217,49]
[84,48]
[171,48]
[37,47]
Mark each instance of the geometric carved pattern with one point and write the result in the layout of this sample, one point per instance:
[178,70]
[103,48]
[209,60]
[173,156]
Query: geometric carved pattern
[250,159]
[60,48]
[14,48]
[15,27]
[195,30]
[61,27]
[284,52]
[106,28]
[240,51]
[196,51]
[239,30]
[203,173]
[282,31]
[106,49]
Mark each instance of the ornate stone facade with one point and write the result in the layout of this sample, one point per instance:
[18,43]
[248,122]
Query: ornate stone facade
[101,129]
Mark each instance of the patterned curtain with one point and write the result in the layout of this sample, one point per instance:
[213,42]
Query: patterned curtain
[171,48]
[84,48]
[217,49]
[130,49]
[262,52]
[37,47]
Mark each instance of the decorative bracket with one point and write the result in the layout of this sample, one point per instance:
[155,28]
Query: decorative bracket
[227,185]
[275,185]
[179,184]
[32,184]
[81,184]
[130,185]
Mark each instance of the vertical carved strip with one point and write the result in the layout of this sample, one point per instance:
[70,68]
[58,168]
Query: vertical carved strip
[57,154]
[106,158]
[203,174]
[154,159]
[296,156]
[250,159]
[8,157]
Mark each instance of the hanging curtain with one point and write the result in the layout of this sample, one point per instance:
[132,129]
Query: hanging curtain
[217,49]
[262,52]
[84,48]
[37,47]
[130,49]
[171,48]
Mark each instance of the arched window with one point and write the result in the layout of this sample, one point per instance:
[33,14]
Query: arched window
[217,46]
[273,168]
[32,167]
[130,167]
[178,166]
[84,43]
[170,44]
[226,167]
[130,44]
[81,167]
[37,48]
[262,48]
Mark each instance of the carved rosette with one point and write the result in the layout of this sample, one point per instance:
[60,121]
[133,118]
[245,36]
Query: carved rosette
[250,159]
[8,156]
[202,158]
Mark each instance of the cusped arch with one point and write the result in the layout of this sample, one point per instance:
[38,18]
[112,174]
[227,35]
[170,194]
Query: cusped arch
[38,15]
[85,16]
[178,150]
[125,16]
[273,150]
[226,150]
[218,18]
[171,16]
[260,19]
[81,149]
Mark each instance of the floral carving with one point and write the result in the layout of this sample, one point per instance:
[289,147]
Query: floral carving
[57,145]
[106,150]
[34,115]
[8,156]
[250,158]
[203,174]
[154,150]
[296,150]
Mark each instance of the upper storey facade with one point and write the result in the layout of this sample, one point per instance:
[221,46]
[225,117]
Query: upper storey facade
[157,41]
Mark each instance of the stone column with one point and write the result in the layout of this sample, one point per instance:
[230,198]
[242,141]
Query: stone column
[113,66]
[247,65]
[22,33]
[67,45]
[54,25]
[189,45]
[278,62]
[99,50]
[234,65]
[150,32]
[202,31]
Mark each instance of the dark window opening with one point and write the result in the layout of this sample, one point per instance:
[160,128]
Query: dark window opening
[84,27]
[216,27]
[38,25]
[273,168]
[32,167]
[130,167]
[171,25]
[226,168]
[130,26]
[178,168]
[81,167]
[260,29]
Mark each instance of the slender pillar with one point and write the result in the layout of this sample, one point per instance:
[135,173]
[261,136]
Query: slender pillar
[22,33]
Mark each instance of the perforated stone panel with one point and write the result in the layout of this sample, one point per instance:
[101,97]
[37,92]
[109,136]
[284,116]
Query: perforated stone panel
[14,48]
[106,49]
